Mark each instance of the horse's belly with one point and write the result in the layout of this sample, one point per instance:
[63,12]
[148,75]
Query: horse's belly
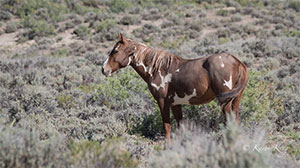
[183,100]
[205,98]
[194,99]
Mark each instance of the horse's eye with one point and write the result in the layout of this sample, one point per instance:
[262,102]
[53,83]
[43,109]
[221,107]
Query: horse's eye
[114,51]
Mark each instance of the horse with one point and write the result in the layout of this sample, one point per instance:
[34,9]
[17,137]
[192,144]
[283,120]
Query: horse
[174,81]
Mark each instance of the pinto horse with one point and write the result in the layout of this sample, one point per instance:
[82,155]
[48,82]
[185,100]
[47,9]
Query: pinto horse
[174,81]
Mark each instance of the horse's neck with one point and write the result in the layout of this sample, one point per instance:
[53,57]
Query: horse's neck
[140,66]
[141,70]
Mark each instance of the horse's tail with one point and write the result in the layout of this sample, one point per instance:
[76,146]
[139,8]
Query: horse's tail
[226,97]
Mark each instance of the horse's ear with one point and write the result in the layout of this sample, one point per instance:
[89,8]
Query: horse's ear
[122,38]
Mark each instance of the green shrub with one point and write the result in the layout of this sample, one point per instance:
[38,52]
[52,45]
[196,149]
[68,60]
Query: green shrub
[294,4]
[293,150]
[130,20]
[92,3]
[236,18]
[4,15]
[120,5]
[129,90]
[114,88]
[259,101]
[81,9]
[172,44]
[223,40]
[292,33]
[38,16]
[60,53]
[82,31]
[11,27]
[104,25]
[223,12]
[54,10]
[37,28]
[242,2]
[150,125]
[21,148]
[106,154]
[192,148]
[122,90]
[208,116]
[65,101]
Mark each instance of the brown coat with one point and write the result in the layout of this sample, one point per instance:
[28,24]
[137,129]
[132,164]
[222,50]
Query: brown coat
[174,81]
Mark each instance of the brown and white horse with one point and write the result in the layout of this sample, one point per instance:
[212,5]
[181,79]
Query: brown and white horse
[174,81]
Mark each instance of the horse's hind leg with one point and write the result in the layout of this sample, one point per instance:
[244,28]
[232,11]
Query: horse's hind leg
[235,106]
[177,112]
[227,110]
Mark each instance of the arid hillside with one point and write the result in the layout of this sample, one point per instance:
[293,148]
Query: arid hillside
[57,109]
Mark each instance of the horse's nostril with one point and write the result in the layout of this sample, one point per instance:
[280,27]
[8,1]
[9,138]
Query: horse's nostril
[106,73]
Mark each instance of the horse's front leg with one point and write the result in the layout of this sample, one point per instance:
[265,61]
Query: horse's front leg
[177,112]
[164,107]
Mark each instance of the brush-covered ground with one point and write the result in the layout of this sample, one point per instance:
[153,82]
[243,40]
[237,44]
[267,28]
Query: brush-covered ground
[58,110]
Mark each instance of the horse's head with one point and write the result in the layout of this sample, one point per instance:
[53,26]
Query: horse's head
[120,56]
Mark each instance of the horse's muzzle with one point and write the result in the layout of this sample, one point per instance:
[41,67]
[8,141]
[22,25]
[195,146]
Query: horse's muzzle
[106,73]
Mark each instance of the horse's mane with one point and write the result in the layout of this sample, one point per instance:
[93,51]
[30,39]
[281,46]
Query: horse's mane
[155,59]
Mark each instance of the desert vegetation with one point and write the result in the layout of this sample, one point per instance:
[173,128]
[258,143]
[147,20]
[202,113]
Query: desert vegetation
[58,110]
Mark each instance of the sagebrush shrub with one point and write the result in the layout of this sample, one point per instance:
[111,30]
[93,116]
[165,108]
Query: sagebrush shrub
[121,91]
[54,85]
[21,148]
[294,5]
[106,154]
[11,27]
[5,15]
[233,147]
[82,31]
[120,5]
[259,101]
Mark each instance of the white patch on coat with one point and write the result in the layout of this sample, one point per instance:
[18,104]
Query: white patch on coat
[117,47]
[185,99]
[177,70]
[141,64]
[222,63]
[105,62]
[129,61]
[135,54]
[146,69]
[228,83]
[164,80]
[143,44]
[149,71]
